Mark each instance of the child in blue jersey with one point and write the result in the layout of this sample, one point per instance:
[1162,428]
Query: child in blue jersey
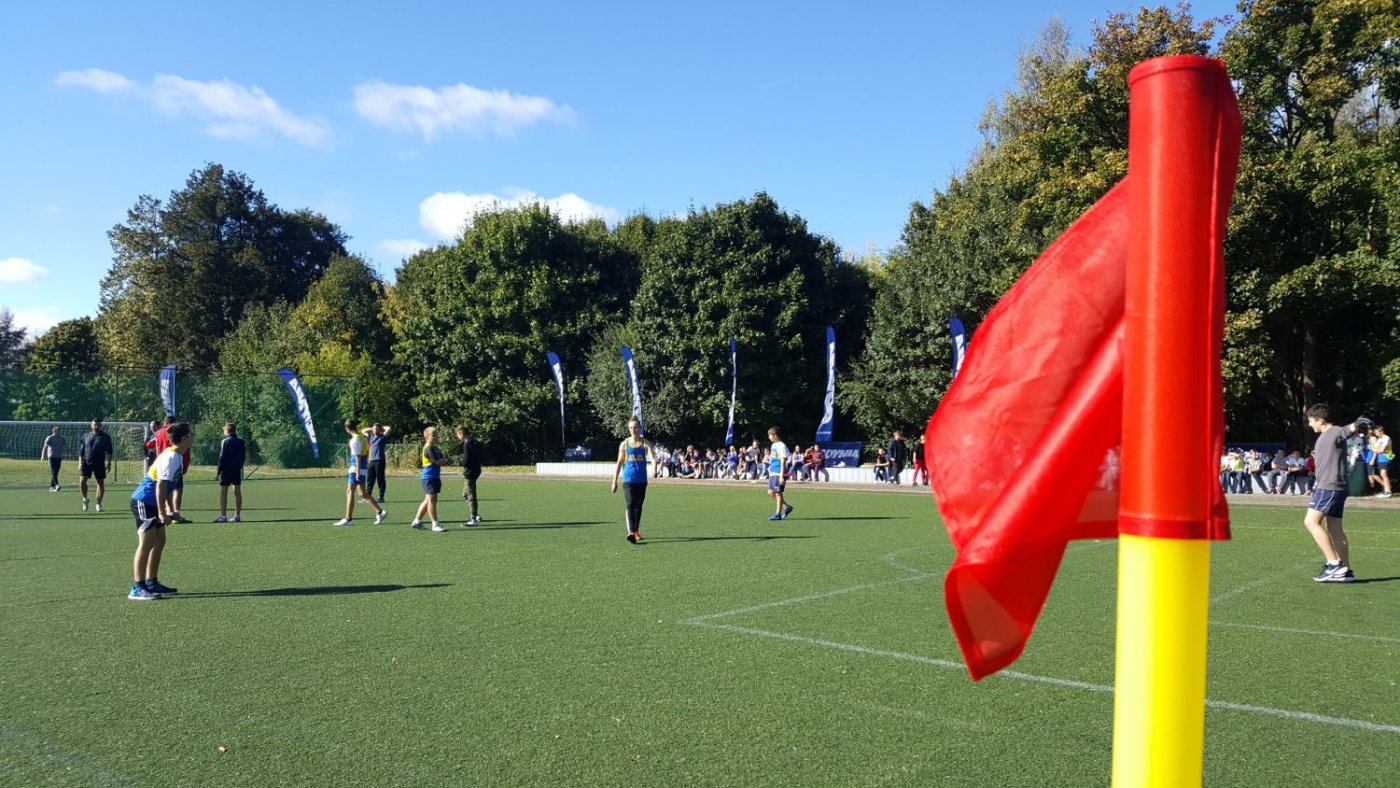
[153,506]
[632,457]
[431,460]
[778,459]
[355,480]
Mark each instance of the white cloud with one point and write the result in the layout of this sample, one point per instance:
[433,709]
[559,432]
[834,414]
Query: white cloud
[226,108]
[460,107]
[36,322]
[445,213]
[19,271]
[94,79]
[399,248]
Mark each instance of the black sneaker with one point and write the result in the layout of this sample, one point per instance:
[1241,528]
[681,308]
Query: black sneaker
[1328,569]
[634,537]
[161,589]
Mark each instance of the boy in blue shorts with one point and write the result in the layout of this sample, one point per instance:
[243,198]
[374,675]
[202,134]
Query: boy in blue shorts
[778,459]
[431,460]
[355,478]
[153,506]
[1330,495]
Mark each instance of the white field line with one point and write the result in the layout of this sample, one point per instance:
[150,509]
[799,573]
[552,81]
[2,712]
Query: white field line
[1260,583]
[1309,632]
[709,620]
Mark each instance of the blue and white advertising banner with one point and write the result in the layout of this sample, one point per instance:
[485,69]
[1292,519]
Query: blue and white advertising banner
[579,453]
[303,407]
[630,361]
[841,455]
[959,343]
[558,381]
[167,389]
[829,414]
[734,391]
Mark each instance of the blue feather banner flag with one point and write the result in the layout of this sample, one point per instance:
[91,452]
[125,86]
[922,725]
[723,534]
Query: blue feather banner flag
[630,361]
[959,343]
[829,414]
[167,389]
[558,370]
[734,391]
[303,407]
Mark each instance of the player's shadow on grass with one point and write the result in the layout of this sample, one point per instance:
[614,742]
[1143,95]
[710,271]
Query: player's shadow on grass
[309,591]
[1374,579]
[533,526]
[853,518]
[755,538]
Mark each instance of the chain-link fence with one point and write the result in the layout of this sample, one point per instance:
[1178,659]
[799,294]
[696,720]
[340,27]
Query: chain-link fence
[257,402]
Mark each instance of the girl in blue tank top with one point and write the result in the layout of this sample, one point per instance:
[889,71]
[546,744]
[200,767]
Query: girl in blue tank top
[632,457]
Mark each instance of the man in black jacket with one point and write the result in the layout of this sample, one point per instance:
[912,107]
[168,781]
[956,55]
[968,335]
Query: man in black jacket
[898,453]
[471,469]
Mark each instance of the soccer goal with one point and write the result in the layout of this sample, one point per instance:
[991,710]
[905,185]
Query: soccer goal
[22,441]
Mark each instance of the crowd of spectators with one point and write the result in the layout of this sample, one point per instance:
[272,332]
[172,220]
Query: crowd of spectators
[751,463]
[1276,473]
[1246,471]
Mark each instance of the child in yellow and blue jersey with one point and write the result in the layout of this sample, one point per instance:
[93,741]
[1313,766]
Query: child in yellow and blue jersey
[430,459]
[153,506]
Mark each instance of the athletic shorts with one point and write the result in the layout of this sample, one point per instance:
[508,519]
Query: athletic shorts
[231,477]
[177,484]
[1329,502]
[353,478]
[432,486]
[98,471]
[1382,461]
[147,516]
[776,482]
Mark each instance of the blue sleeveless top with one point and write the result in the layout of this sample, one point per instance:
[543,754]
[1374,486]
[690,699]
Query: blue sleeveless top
[634,469]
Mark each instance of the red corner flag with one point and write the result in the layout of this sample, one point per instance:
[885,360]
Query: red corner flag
[1023,452]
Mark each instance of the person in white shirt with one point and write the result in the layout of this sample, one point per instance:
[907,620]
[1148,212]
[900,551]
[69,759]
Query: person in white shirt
[355,479]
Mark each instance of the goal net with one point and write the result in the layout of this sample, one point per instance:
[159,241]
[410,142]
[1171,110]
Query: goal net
[22,443]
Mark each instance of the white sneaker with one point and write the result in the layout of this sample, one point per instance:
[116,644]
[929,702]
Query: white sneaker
[416,524]
[1381,495]
[379,518]
[437,528]
[85,504]
[342,522]
[99,507]
[476,520]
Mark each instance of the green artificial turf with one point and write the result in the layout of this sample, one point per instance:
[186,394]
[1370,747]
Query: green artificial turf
[542,649]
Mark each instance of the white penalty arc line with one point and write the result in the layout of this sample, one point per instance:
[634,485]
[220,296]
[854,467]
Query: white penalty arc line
[946,664]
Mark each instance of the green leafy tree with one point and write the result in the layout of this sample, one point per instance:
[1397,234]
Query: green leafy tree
[184,271]
[472,320]
[70,346]
[1051,148]
[1314,270]
[748,270]
[12,347]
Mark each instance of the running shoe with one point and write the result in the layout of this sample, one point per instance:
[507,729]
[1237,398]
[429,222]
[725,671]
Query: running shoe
[787,510]
[99,507]
[85,504]
[634,537]
[775,518]
[155,586]
[1328,569]
[1341,573]
[437,528]
[140,593]
[379,518]
[416,524]
[220,519]
[179,518]
[342,522]
[234,519]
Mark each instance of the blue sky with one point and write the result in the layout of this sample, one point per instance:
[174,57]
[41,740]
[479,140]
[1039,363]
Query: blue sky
[398,120]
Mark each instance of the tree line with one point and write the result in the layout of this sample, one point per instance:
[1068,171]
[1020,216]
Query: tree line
[218,279]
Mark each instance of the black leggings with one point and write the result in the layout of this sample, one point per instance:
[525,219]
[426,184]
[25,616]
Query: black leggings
[376,475]
[55,463]
[634,495]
